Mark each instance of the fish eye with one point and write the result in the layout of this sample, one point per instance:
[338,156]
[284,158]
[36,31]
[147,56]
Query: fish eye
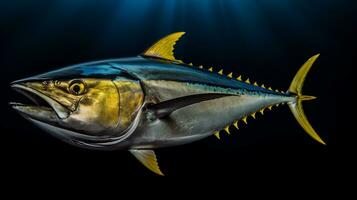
[77,87]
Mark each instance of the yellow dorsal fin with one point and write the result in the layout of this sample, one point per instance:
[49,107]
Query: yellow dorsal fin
[164,48]
[148,159]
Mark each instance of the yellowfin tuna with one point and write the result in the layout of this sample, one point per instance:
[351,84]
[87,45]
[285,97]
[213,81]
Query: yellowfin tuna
[150,101]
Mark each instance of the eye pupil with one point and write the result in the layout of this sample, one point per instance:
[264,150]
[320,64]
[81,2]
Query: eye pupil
[76,88]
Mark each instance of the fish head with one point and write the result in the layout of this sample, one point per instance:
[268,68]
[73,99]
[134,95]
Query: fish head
[80,108]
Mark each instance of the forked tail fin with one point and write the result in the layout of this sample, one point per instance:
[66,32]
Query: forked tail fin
[296,107]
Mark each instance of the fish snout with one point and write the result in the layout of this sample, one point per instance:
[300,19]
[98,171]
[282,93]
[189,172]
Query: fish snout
[41,106]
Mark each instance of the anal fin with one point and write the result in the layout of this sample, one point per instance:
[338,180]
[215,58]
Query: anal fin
[148,159]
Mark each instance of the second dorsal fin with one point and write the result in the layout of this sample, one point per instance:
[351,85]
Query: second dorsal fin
[164,48]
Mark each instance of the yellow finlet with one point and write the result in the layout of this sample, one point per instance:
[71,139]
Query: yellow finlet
[269,88]
[270,107]
[261,111]
[247,81]
[239,78]
[255,84]
[277,90]
[220,72]
[216,133]
[227,129]
[201,67]
[210,69]
[263,86]
[236,124]
[230,75]
[253,115]
[164,48]
[148,159]
[190,64]
[245,120]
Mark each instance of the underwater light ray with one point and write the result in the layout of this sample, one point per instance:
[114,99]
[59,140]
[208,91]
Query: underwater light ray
[166,18]
[251,24]
[130,16]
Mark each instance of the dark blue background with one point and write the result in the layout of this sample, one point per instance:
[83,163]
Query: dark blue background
[266,41]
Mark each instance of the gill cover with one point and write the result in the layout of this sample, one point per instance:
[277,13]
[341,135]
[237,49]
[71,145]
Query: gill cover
[131,98]
[296,107]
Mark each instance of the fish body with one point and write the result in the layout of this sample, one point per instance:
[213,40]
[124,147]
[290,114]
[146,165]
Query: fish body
[149,101]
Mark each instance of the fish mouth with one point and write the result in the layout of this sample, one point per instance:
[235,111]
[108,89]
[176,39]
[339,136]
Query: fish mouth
[42,107]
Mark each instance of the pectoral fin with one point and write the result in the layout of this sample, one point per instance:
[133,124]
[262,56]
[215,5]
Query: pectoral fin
[165,108]
[148,159]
